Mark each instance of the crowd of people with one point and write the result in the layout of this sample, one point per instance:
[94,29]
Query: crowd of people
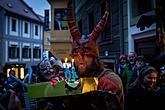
[10,91]
[134,84]
[142,82]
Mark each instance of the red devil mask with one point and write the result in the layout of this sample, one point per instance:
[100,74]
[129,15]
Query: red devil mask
[88,45]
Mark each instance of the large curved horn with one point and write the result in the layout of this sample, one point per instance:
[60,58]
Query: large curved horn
[102,23]
[75,33]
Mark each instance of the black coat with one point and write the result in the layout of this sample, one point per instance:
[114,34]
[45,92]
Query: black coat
[138,98]
[96,100]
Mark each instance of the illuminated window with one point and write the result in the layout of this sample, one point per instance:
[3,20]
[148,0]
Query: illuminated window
[22,73]
[8,72]
[15,69]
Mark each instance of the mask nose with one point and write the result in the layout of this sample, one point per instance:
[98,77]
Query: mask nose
[80,57]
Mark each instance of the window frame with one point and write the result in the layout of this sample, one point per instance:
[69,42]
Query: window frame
[26,27]
[13,25]
[26,52]
[36,52]
[36,30]
[13,51]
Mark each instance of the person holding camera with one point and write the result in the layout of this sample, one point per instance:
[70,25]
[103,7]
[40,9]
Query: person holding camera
[8,97]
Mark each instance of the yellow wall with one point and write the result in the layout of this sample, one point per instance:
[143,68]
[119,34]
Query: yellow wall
[63,35]
[60,3]
[60,39]
[61,50]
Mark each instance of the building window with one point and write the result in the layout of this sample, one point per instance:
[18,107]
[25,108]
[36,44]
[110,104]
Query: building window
[144,6]
[25,27]
[91,21]
[13,25]
[107,30]
[37,53]
[80,26]
[60,19]
[13,52]
[26,52]
[36,30]
[140,7]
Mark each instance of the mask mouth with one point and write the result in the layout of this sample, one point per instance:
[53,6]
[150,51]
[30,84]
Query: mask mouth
[81,64]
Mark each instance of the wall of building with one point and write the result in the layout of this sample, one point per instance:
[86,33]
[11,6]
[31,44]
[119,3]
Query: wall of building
[63,50]
[60,39]
[135,34]
[113,41]
[20,39]
[1,33]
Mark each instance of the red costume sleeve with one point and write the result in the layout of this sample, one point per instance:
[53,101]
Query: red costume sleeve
[110,81]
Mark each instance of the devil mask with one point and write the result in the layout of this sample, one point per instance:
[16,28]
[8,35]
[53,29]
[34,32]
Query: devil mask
[86,46]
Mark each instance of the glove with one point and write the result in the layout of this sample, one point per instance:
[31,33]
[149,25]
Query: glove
[54,81]
[57,79]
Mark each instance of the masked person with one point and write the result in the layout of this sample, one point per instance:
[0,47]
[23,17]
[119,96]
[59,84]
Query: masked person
[86,56]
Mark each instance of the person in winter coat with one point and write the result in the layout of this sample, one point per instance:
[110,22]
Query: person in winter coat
[145,92]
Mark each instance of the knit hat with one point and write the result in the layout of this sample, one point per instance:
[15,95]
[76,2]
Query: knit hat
[140,57]
[146,70]
[122,56]
[87,45]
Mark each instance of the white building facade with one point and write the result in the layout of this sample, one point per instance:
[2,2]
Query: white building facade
[21,34]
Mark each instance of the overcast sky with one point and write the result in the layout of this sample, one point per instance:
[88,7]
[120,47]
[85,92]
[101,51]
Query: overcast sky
[38,5]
